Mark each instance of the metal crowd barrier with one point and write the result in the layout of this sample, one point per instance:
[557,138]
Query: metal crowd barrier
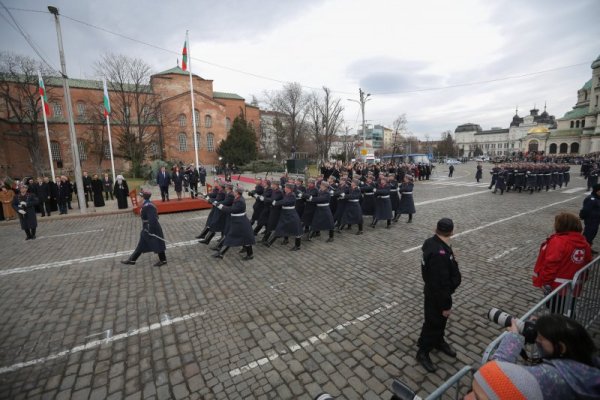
[454,381]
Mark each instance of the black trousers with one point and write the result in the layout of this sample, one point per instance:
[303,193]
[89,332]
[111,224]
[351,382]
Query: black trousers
[432,333]
[164,193]
[590,230]
[137,253]
[46,207]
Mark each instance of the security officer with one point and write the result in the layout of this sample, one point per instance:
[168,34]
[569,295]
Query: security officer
[590,214]
[441,276]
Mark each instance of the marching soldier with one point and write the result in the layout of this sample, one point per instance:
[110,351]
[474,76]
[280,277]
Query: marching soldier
[322,218]
[258,204]
[407,203]
[263,217]
[289,222]
[215,195]
[352,211]
[383,204]
[238,230]
[275,210]
[309,208]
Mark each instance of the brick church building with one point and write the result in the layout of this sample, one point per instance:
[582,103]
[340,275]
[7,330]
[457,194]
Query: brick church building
[169,134]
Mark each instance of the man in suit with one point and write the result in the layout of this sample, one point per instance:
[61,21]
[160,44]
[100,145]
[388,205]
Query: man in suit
[163,179]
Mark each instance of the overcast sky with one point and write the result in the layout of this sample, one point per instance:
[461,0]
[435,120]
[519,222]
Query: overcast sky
[395,50]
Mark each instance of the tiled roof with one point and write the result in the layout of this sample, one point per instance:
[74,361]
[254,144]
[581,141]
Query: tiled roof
[73,83]
[224,95]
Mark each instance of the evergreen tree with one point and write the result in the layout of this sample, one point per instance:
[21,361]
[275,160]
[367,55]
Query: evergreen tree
[240,146]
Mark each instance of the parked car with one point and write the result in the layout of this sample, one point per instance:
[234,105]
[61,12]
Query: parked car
[452,161]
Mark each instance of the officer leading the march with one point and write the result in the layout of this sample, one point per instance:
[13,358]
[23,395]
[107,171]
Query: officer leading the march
[442,277]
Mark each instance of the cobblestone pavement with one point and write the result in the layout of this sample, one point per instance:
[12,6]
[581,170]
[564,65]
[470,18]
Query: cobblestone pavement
[339,317]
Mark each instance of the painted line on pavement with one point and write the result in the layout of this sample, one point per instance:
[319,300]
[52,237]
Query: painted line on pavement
[69,234]
[99,342]
[502,254]
[498,222]
[82,260]
[574,190]
[293,346]
[422,203]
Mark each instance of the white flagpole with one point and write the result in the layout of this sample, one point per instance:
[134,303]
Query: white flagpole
[112,159]
[189,67]
[46,127]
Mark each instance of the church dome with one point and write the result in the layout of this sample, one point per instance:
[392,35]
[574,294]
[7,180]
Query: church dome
[596,63]
[538,129]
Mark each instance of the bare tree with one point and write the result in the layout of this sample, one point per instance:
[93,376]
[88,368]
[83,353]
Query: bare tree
[447,146]
[135,111]
[325,113]
[96,134]
[21,105]
[292,102]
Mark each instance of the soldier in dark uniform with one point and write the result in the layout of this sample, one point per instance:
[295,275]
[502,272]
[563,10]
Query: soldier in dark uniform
[24,204]
[479,172]
[590,214]
[442,277]
[494,173]
[258,204]
[566,174]
[263,218]
[592,178]
[520,177]
[407,203]
[216,220]
[530,179]
[500,181]
[368,201]
[214,195]
[352,211]
[238,230]
[322,218]
[289,222]
[394,196]
[510,177]
[221,219]
[151,237]
[383,204]
[275,210]
[299,190]
[341,203]
[309,208]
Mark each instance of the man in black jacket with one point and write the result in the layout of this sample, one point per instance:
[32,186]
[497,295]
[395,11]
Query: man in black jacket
[590,214]
[442,277]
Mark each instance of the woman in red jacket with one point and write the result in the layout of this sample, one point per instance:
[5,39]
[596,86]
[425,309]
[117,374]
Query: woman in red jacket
[560,257]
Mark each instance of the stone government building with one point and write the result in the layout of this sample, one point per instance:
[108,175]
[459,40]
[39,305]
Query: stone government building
[215,112]
[577,132]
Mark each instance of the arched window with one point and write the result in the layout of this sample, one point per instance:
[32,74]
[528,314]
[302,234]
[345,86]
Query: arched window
[182,120]
[55,149]
[564,148]
[533,145]
[80,109]
[583,123]
[198,140]
[182,142]
[197,116]
[82,152]
[574,148]
[210,138]
[577,124]
[227,124]
[572,124]
[207,121]
[552,149]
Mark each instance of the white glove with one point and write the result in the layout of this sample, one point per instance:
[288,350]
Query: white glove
[273,202]
[262,198]
[220,206]
[214,203]
[342,195]
[22,204]
[374,190]
[310,198]
[22,212]
[299,196]
[331,192]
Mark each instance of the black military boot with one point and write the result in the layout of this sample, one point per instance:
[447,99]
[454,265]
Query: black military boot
[297,243]
[374,223]
[207,238]
[330,236]
[285,241]
[389,224]
[425,361]
[396,216]
[203,233]
[221,252]
[360,229]
[409,219]
[249,254]
[257,229]
[272,238]
[33,233]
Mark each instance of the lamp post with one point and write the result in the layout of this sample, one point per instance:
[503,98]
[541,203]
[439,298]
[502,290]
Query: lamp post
[363,98]
[73,136]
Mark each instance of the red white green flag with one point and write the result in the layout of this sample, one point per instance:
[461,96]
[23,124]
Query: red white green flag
[43,95]
[184,55]
[106,100]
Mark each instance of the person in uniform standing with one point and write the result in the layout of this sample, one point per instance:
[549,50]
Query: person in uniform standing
[151,237]
[590,214]
[442,277]
[24,203]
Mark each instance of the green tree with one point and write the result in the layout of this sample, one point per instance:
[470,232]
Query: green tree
[447,146]
[240,146]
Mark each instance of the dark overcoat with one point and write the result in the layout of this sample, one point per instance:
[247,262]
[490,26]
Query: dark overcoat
[289,221]
[352,211]
[29,220]
[151,237]
[239,231]
[407,203]
[383,203]
[322,218]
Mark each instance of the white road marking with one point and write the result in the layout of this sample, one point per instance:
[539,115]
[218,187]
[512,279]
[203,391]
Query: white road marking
[82,260]
[422,203]
[498,222]
[500,255]
[574,190]
[70,233]
[99,342]
[293,347]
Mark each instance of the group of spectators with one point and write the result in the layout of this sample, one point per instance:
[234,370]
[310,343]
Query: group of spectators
[57,195]
[182,179]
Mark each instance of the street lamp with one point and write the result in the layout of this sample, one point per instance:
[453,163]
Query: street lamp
[363,98]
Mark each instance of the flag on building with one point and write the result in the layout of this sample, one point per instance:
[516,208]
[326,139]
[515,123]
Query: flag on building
[106,100]
[43,95]
[184,56]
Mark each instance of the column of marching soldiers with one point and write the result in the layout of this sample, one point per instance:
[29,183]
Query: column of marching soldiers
[530,177]
[288,209]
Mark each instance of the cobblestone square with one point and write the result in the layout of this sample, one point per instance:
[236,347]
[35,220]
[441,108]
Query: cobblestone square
[339,317]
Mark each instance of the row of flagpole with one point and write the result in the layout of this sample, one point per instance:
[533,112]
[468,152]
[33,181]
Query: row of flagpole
[185,65]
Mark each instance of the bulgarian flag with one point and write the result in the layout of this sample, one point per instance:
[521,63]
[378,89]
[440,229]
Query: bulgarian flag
[184,55]
[106,100]
[43,95]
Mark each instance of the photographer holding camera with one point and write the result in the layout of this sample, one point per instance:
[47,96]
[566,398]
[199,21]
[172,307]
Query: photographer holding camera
[569,368]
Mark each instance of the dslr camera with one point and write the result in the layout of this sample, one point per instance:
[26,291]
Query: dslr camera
[526,328]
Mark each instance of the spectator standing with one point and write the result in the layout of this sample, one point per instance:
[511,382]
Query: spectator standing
[590,214]
[121,192]
[24,203]
[163,180]
[97,190]
[6,197]
[107,184]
